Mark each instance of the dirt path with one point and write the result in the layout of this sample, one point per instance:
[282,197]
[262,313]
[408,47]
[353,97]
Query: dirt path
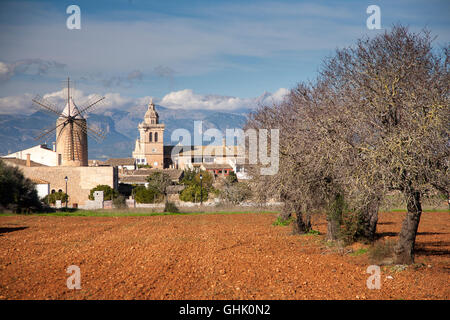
[236,256]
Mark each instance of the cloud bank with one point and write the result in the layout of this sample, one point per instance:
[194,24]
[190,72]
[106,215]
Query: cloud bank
[185,99]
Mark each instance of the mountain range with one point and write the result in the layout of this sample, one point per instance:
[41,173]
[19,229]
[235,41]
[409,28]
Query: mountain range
[18,132]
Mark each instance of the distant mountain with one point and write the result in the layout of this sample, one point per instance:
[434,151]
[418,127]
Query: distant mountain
[17,132]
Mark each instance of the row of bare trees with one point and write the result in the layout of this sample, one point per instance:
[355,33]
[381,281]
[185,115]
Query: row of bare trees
[375,120]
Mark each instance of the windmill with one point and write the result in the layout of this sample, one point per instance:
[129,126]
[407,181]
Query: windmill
[71,128]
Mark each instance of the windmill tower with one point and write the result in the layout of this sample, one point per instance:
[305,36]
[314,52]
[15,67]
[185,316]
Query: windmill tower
[71,129]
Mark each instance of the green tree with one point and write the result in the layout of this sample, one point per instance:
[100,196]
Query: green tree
[17,193]
[193,193]
[191,177]
[207,179]
[188,176]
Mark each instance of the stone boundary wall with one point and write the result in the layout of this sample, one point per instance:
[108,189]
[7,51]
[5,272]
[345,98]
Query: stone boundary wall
[80,179]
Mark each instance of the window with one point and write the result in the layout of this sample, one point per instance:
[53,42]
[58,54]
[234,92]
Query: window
[150,137]
[156,136]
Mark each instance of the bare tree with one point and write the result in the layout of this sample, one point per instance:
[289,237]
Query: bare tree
[159,181]
[396,89]
[375,120]
[310,154]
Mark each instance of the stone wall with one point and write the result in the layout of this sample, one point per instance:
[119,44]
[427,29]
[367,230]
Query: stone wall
[80,179]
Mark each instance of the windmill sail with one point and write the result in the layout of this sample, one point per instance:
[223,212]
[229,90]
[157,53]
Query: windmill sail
[71,128]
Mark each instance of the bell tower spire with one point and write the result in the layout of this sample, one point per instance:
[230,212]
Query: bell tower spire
[149,147]
[151,116]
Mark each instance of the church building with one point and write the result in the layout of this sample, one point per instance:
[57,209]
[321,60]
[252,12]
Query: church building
[149,148]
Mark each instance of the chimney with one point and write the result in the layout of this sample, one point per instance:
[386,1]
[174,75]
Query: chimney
[28,160]
[54,146]
[224,142]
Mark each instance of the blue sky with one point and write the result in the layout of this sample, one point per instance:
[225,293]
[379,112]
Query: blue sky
[206,52]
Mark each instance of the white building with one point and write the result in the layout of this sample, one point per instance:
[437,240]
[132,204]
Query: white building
[42,187]
[39,154]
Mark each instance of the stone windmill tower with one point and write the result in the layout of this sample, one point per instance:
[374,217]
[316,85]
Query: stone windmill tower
[71,137]
[71,129]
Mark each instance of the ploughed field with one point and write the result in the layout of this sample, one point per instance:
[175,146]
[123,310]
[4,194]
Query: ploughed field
[209,256]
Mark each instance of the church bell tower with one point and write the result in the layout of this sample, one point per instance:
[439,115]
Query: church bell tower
[149,147]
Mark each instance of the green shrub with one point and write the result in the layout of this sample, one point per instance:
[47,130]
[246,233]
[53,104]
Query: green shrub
[359,252]
[193,194]
[147,195]
[282,222]
[52,197]
[108,192]
[312,232]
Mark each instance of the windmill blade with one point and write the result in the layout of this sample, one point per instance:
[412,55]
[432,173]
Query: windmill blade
[46,105]
[96,134]
[62,129]
[48,131]
[100,134]
[72,154]
[90,104]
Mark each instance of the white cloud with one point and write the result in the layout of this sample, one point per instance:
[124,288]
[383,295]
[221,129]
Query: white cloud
[187,99]
[16,104]
[276,97]
[183,99]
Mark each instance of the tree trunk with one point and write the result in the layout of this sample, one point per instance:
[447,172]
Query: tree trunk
[368,221]
[286,213]
[334,217]
[404,249]
[308,221]
[333,228]
[302,223]
[299,225]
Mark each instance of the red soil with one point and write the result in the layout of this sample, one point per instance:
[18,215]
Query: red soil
[214,256]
